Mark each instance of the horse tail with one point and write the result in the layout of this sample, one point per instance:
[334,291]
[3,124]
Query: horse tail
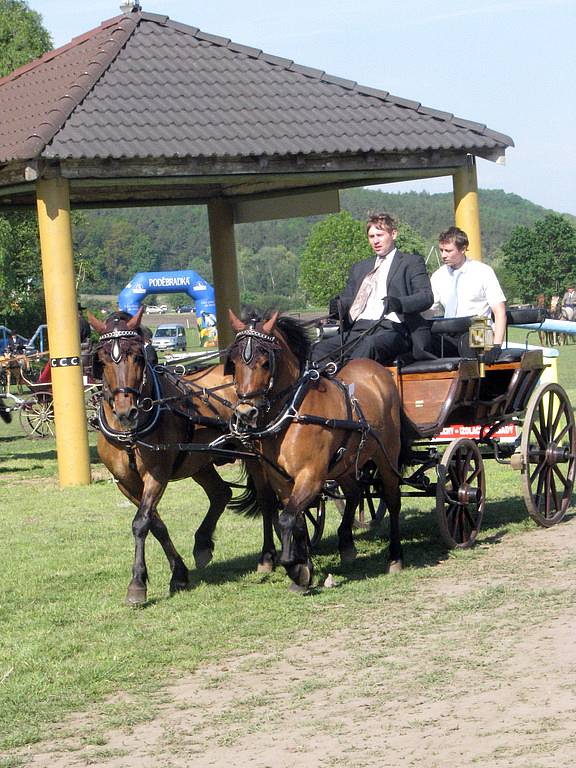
[246,503]
[408,434]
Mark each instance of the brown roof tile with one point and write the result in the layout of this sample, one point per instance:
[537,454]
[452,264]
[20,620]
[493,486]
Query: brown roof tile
[143,86]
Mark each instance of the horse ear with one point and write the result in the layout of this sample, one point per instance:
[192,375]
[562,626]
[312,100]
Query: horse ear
[235,322]
[268,326]
[134,321]
[98,325]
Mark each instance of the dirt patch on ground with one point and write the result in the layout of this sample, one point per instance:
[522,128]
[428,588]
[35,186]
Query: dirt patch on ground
[488,682]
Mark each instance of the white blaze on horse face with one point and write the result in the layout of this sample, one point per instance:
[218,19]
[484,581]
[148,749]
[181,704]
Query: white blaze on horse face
[115,354]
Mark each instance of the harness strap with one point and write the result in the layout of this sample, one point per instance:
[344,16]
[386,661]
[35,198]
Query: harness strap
[339,453]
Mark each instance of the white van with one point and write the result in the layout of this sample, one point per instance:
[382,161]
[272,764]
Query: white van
[169,337]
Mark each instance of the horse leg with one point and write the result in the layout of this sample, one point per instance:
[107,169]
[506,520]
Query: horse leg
[268,503]
[395,555]
[180,574]
[393,500]
[145,520]
[268,557]
[219,494]
[295,555]
[346,545]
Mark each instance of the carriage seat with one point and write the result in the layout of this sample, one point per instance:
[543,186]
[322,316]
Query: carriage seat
[441,365]
[525,316]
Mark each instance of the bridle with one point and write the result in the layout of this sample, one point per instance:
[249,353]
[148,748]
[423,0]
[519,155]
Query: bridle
[116,356]
[250,343]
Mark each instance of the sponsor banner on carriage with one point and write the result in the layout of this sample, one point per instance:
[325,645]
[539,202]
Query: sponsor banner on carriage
[506,434]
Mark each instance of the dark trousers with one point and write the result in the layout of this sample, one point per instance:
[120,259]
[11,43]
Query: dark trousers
[383,345]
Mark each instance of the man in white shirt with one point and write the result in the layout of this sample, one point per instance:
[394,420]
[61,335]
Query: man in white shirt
[466,288]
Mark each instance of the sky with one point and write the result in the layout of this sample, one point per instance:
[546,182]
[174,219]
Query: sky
[509,64]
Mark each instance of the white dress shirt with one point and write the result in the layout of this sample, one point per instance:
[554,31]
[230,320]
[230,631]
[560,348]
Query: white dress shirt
[374,307]
[478,288]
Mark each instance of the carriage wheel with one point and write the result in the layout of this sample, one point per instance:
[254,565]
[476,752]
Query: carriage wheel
[460,493]
[92,402]
[315,521]
[375,513]
[37,416]
[371,490]
[548,449]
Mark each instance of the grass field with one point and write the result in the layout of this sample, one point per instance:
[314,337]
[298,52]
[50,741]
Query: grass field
[67,640]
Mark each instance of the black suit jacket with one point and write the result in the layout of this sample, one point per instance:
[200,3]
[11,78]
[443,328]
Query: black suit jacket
[407,281]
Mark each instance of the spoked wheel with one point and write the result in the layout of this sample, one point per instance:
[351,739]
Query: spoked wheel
[372,508]
[548,449]
[315,521]
[460,493]
[370,514]
[92,402]
[37,416]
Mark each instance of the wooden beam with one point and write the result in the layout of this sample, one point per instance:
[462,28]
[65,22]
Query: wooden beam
[53,205]
[466,209]
[224,266]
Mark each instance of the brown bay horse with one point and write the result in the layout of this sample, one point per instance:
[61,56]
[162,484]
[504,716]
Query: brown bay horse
[145,415]
[311,429]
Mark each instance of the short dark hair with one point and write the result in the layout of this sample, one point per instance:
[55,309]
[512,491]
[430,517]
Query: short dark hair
[454,235]
[382,221]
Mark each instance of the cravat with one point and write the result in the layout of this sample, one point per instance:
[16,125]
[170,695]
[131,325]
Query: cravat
[451,308]
[364,292]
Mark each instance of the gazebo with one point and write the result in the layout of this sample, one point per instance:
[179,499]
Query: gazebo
[144,110]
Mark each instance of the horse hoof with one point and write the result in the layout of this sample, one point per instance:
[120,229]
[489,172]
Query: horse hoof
[136,596]
[266,565]
[178,586]
[394,566]
[202,558]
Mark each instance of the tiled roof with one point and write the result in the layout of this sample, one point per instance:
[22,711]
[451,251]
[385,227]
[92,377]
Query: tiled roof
[142,86]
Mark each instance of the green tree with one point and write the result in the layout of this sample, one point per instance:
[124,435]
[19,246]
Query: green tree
[334,245]
[22,36]
[542,258]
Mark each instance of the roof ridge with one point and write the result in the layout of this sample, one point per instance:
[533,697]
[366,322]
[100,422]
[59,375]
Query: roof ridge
[53,120]
[49,55]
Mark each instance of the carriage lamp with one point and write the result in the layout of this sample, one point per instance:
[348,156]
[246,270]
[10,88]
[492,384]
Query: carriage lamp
[481,338]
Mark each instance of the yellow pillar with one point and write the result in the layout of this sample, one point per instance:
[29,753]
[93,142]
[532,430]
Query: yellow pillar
[224,266]
[53,205]
[466,210]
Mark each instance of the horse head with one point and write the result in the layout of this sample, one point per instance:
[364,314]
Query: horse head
[120,362]
[253,360]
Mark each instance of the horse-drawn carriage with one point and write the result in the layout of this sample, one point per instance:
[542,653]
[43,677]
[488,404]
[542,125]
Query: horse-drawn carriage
[29,375]
[465,413]
[303,435]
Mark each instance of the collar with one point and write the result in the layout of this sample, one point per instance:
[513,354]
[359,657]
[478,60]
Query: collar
[460,269]
[388,257]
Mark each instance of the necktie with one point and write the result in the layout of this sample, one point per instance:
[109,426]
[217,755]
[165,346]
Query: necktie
[451,308]
[364,292]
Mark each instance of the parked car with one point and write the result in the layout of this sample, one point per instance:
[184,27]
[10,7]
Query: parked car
[185,308]
[169,337]
[154,309]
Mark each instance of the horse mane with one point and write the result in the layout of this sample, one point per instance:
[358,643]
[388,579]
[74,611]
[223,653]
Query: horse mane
[298,337]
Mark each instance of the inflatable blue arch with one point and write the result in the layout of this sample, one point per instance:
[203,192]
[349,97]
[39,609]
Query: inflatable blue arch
[181,281]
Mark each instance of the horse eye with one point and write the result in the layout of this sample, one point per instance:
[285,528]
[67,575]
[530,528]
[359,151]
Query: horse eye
[266,365]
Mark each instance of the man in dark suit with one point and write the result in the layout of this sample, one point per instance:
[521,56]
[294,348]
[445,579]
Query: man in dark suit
[381,303]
